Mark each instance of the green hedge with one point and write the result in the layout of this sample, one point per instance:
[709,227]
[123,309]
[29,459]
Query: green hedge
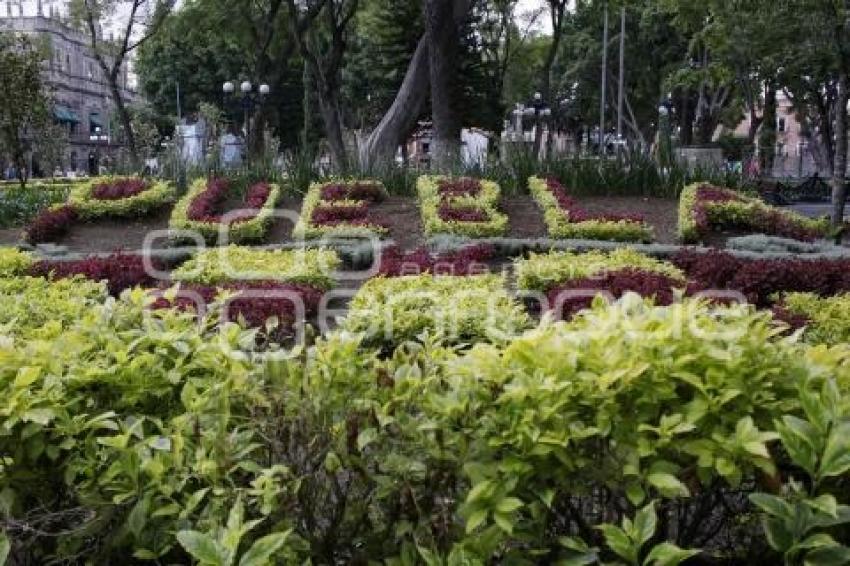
[132,433]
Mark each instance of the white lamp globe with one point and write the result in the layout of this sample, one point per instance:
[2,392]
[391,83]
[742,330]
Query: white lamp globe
[246,87]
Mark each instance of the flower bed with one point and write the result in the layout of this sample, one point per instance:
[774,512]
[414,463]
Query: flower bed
[541,272]
[461,206]
[460,309]
[119,271]
[565,219]
[234,263]
[120,197]
[704,209]
[200,211]
[341,209]
[465,261]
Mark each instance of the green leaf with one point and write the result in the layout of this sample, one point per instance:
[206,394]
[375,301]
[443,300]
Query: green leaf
[136,520]
[836,454]
[509,505]
[5,548]
[825,504]
[667,554]
[828,556]
[504,521]
[201,547]
[475,519]
[777,534]
[366,437]
[619,542]
[668,485]
[635,494]
[263,549]
[645,523]
[772,505]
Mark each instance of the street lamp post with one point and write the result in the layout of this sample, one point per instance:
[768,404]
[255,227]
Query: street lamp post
[665,149]
[540,111]
[249,100]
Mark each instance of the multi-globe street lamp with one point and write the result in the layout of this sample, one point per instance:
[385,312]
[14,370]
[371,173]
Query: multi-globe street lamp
[248,99]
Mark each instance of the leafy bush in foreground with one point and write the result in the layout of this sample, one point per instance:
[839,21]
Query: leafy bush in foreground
[393,310]
[132,434]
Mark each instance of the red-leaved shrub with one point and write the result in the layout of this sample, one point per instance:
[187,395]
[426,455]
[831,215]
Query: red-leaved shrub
[459,187]
[466,261]
[206,207]
[449,212]
[577,214]
[578,294]
[758,280]
[51,224]
[263,302]
[352,191]
[324,215]
[120,271]
[119,189]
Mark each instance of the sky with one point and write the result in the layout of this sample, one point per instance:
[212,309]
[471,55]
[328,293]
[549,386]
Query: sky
[531,5]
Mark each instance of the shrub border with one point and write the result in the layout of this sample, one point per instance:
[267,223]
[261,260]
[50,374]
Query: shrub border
[305,229]
[558,222]
[159,194]
[250,230]
[689,231]
[428,190]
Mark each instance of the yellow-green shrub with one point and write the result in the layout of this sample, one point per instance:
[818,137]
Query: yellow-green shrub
[159,194]
[396,309]
[540,272]
[235,263]
[828,318]
[428,189]
[14,262]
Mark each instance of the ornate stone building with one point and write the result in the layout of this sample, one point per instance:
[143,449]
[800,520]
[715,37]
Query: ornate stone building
[82,102]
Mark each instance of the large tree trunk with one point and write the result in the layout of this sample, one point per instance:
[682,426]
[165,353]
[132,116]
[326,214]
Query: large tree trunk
[409,102]
[442,35]
[839,173]
[332,119]
[401,118]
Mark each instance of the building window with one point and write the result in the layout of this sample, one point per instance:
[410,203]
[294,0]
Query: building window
[780,125]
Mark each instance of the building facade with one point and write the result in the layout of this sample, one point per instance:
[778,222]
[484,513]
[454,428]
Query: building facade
[82,103]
